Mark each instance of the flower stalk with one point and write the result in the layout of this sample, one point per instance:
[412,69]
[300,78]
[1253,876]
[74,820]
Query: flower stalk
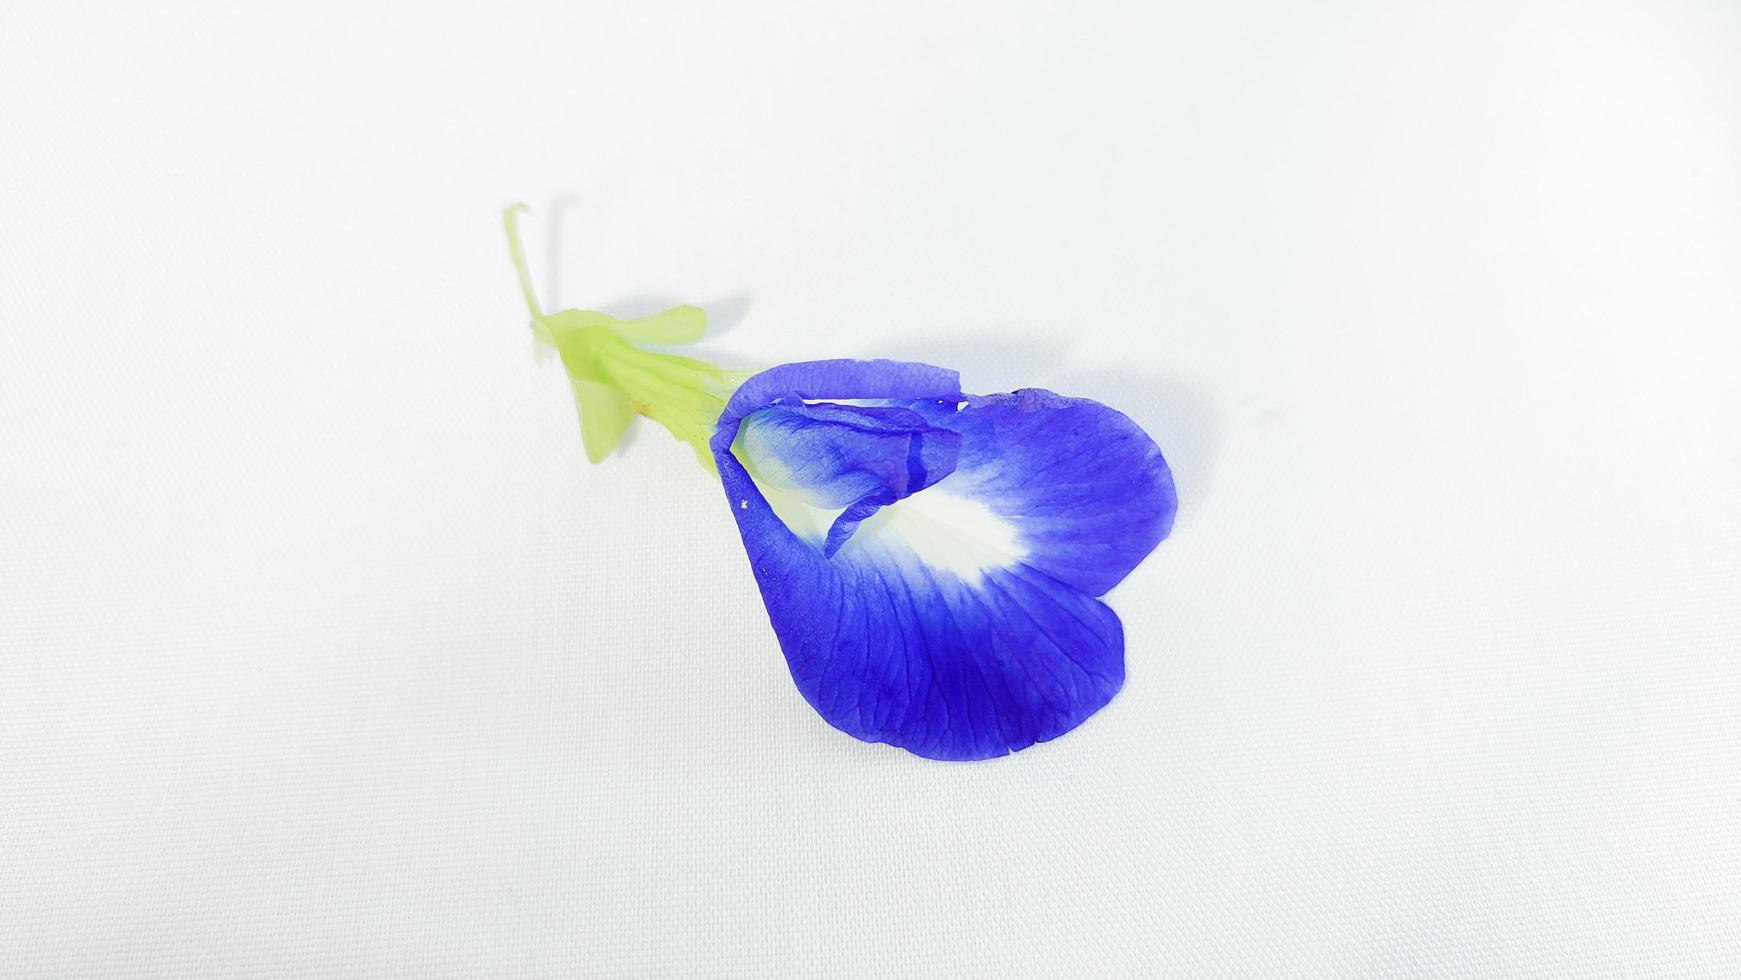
[614,379]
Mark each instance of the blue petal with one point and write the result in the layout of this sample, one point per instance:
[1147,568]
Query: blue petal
[1087,491]
[959,622]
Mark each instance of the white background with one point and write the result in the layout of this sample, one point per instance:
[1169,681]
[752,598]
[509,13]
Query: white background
[323,652]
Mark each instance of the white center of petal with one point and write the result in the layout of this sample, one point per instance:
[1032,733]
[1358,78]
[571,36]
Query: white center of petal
[947,532]
[940,527]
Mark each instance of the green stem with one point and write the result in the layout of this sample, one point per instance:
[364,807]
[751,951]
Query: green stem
[511,221]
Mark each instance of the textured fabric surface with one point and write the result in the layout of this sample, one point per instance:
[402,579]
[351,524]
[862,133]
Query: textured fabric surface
[324,652]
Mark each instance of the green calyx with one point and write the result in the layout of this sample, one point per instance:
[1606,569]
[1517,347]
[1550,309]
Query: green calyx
[614,380]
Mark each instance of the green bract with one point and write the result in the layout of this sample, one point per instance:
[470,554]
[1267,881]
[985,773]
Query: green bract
[614,380]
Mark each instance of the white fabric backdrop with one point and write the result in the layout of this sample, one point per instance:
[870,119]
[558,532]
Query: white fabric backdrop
[323,652]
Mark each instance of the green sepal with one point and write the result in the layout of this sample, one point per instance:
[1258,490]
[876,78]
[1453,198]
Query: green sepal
[614,380]
[605,414]
[677,325]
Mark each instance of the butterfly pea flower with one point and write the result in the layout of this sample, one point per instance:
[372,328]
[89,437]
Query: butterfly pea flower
[931,561]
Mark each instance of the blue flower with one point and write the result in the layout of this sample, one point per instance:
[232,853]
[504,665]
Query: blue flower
[931,561]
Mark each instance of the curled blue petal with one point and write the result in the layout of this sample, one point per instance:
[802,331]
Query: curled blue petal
[950,609]
[849,458]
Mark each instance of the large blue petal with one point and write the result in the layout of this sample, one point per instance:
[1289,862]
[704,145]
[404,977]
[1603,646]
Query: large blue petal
[957,649]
